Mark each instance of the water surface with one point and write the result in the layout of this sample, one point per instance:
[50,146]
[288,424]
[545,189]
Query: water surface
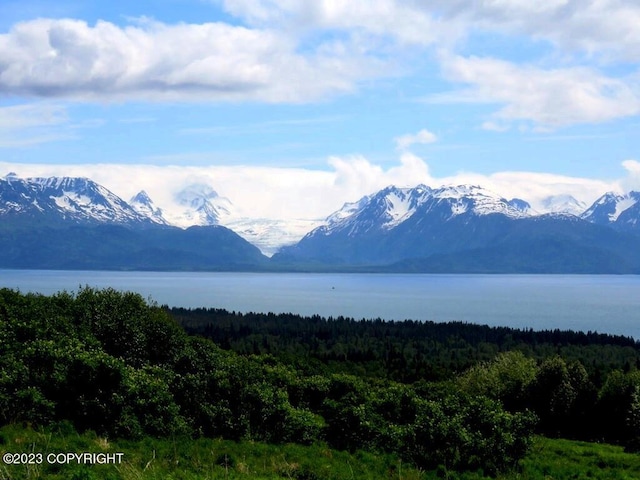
[603,303]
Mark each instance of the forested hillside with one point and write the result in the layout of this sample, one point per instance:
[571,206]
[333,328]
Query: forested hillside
[580,385]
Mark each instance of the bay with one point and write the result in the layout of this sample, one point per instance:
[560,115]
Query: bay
[602,303]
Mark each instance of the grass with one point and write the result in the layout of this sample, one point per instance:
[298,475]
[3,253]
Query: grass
[566,459]
[187,459]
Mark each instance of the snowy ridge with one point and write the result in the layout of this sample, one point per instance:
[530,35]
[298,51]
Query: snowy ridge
[562,204]
[614,208]
[402,203]
[143,204]
[198,204]
[385,209]
[481,201]
[392,206]
[65,198]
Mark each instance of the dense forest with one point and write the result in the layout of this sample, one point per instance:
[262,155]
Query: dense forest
[579,385]
[451,397]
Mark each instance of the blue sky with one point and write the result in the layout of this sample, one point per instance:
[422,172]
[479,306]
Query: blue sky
[338,98]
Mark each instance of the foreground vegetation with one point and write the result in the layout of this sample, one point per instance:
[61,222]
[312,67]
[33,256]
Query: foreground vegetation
[209,459]
[103,368]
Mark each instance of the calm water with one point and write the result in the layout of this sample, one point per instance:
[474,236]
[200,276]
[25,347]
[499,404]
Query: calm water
[603,303]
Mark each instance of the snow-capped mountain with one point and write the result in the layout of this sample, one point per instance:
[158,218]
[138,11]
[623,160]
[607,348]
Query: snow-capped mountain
[69,199]
[453,228]
[382,210]
[80,200]
[395,223]
[616,210]
[64,222]
[198,204]
[392,206]
[563,204]
[459,228]
[142,203]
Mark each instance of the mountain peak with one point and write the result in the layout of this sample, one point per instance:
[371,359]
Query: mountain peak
[142,203]
[393,206]
[74,199]
[477,200]
[141,197]
[199,204]
[621,211]
[563,203]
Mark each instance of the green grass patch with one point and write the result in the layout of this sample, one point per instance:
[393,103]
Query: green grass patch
[567,459]
[188,459]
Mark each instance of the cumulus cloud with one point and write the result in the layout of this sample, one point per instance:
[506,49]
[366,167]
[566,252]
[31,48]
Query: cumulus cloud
[535,187]
[154,61]
[424,136]
[256,192]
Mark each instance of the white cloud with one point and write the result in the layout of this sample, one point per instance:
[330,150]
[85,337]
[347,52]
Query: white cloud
[534,187]
[269,192]
[608,28]
[403,21]
[582,37]
[547,97]
[424,136]
[296,51]
[604,27]
[632,180]
[155,61]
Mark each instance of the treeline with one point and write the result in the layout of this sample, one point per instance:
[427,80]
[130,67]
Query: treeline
[107,361]
[580,385]
[406,351]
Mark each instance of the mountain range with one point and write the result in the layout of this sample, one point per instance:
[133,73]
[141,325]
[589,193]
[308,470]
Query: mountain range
[470,229]
[64,222]
[74,223]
